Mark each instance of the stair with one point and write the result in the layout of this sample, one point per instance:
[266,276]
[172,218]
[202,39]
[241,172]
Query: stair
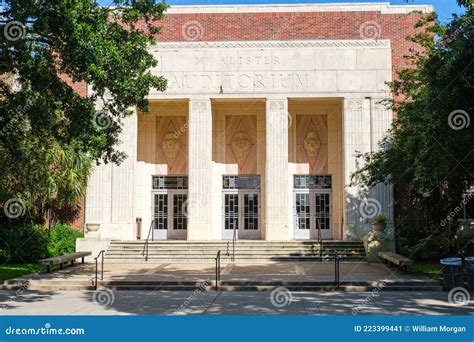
[245,251]
[224,285]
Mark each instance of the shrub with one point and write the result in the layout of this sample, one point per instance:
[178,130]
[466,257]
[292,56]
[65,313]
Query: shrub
[23,243]
[62,240]
[380,219]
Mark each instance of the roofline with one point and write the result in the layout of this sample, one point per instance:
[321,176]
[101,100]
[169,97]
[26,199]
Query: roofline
[383,7]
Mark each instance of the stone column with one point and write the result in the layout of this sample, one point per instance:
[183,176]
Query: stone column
[365,123]
[277,213]
[199,169]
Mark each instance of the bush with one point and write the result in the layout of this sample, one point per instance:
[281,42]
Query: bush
[28,243]
[23,243]
[62,240]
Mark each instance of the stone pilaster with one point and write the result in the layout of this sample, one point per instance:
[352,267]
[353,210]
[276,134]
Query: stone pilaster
[199,169]
[365,123]
[277,213]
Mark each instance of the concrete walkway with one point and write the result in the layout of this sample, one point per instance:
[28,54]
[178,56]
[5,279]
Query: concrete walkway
[301,271]
[277,302]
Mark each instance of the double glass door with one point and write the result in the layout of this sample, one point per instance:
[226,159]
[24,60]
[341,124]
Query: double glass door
[169,213]
[312,215]
[241,214]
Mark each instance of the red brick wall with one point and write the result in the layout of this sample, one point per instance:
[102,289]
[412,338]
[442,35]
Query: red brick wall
[291,26]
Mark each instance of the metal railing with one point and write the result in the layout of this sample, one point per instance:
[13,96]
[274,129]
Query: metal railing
[336,269]
[101,254]
[218,269]
[145,247]
[234,238]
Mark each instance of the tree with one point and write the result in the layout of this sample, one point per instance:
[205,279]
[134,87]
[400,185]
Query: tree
[49,132]
[428,154]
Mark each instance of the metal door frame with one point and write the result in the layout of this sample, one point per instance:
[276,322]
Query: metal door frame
[312,233]
[227,234]
[169,233]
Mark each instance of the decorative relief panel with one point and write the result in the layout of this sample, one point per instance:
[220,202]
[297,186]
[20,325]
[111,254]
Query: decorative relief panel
[354,104]
[276,105]
[171,144]
[199,105]
[311,144]
[241,142]
[240,145]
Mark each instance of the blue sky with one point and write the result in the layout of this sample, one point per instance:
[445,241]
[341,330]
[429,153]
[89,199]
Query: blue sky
[444,8]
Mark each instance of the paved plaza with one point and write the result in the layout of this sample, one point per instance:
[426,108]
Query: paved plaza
[104,302]
[300,271]
[278,301]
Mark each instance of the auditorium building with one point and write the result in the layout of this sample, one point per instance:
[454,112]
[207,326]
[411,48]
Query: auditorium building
[255,137]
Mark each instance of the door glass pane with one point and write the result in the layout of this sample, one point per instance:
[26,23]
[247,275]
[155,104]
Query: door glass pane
[231,211]
[160,211]
[323,211]
[179,211]
[251,211]
[302,211]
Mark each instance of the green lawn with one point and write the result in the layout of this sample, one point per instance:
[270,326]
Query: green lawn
[430,268]
[16,270]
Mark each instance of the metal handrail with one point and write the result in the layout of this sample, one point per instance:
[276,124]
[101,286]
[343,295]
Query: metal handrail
[234,238]
[218,269]
[318,227]
[336,269]
[101,253]
[145,247]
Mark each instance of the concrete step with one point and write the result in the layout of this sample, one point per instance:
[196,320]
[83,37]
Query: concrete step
[214,250]
[245,251]
[242,245]
[297,286]
[223,262]
[237,253]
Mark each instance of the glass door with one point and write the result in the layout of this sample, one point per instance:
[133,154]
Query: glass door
[250,216]
[241,215]
[312,215]
[231,215]
[302,216]
[169,213]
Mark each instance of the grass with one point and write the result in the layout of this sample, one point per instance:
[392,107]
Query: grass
[430,268]
[17,270]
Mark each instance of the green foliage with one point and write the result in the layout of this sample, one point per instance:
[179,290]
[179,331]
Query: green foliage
[50,134]
[428,154]
[380,219]
[25,243]
[62,240]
